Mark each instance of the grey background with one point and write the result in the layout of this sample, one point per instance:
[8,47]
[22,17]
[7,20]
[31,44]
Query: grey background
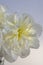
[35,9]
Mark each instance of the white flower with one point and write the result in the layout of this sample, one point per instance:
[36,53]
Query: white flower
[20,37]
[17,35]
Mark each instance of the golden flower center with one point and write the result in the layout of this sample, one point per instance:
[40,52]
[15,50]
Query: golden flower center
[20,31]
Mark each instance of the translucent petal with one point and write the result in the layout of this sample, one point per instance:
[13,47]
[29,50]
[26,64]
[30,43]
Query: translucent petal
[25,20]
[29,32]
[24,52]
[9,54]
[33,29]
[2,9]
[2,17]
[32,32]
[8,50]
[8,40]
[33,42]
[12,19]
[24,49]
[37,28]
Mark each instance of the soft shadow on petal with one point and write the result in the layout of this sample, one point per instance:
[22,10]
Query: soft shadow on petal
[25,19]
[24,53]
[8,55]
[37,28]
[34,43]
[12,19]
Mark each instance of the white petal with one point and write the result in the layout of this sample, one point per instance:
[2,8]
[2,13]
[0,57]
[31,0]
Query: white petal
[9,55]
[37,28]
[2,9]
[12,19]
[25,51]
[25,19]
[34,43]
[8,49]
[32,32]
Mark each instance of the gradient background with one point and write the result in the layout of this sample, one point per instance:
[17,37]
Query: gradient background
[35,9]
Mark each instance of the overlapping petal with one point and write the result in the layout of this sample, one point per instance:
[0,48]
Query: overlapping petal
[8,54]
[24,48]
[2,17]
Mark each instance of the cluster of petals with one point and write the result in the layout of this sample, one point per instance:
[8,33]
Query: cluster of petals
[17,35]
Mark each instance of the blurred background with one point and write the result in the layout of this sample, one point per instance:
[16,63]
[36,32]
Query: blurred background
[35,9]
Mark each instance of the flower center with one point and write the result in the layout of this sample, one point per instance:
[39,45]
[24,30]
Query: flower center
[20,31]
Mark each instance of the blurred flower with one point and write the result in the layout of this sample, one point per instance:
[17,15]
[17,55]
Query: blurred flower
[20,37]
[17,35]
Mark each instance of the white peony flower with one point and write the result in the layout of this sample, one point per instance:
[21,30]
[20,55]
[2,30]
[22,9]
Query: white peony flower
[20,38]
[17,35]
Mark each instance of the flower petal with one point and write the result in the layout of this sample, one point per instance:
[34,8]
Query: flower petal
[37,28]
[2,17]
[9,55]
[8,45]
[33,42]
[24,20]
[12,19]
[24,51]
[2,9]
